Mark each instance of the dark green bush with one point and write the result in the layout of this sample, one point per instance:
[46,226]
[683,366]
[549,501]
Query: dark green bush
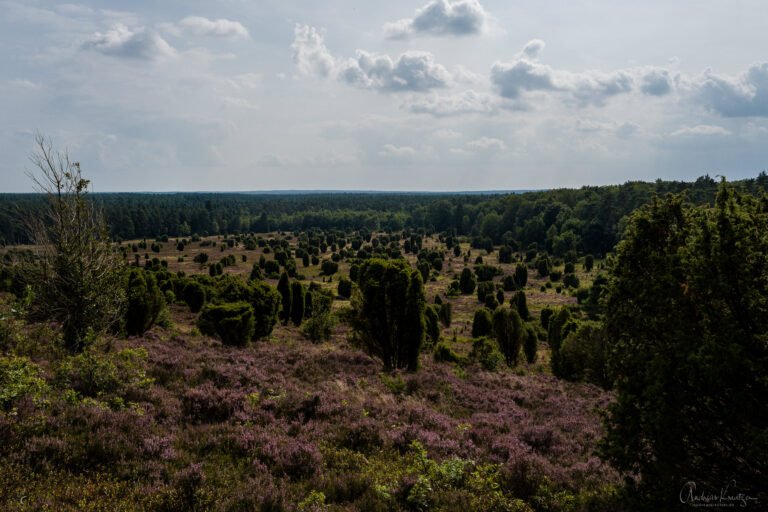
[481,323]
[509,332]
[345,288]
[145,302]
[298,299]
[467,282]
[194,295]
[486,352]
[232,322]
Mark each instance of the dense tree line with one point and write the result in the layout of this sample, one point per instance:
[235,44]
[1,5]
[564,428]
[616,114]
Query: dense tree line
[589,219]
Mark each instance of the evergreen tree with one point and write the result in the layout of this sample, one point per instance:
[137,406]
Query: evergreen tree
[687,328]
[388,317]
[284,289]
[482,324]
[521,303]
[298,299]
[467,282]
[145,302]
[521,275]
[509,331]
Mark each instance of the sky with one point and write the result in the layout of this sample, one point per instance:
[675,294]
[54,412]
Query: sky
[193,95]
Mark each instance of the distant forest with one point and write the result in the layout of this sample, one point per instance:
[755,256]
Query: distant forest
[587,220]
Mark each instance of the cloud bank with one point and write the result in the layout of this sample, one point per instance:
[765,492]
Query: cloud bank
[441,18]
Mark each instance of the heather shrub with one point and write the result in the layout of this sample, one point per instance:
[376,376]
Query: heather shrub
[485,352]
[232,322]
[481,323]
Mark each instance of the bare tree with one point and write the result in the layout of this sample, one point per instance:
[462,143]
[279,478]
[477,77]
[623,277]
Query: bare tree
[77,279]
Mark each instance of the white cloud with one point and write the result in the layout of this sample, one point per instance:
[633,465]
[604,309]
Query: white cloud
[700,130]
[468,102]
[741,96]
[411,71]
[656,82]
[525,74]
[200,26]
[440,18]
[310,53]
[487,144]
[392,151]
[138,43]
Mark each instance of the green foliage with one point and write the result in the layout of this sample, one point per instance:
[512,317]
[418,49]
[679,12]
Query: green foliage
[111,378]
[571,281]
[388,318]
[530,344]
[445,354]
[584,355]
[485,351]
[560,324]
[77,278]
[145,302]
[486,272]
[194,295]
[298,298]
[509,331]
[521,303]
[232,322]
[432,323]
[546,315]
[345,288]
[521,275]
[482,324]
[687,324]
[484,289]
[445,313]
[543,266]
[20,378]
[467,282]
[319,327]
[329,267]
[284,289]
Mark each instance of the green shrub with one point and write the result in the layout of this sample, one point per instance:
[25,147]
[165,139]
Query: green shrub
[145,301]
[388,318]
[467,282]
[584,355]
[20,378]
[194,295]
[521,275]
[530,344]
[298,302]
[445,354]
[483,289]
[232,322]
[329,267]
[481,323]
[345,288]
[432,323]
[486,352]
[446,313]
[508,329]
[521,303]
[284,289]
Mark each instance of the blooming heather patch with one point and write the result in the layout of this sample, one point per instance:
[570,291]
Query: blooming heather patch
[263,426]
